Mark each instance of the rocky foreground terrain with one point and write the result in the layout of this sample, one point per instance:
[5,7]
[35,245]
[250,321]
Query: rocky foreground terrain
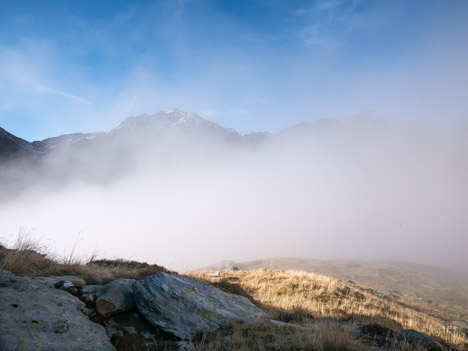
[154,309]
[65,313]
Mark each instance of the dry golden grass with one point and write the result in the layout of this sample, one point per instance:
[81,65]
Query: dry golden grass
[265,336]
[29,257]
[300,295]
[290,296]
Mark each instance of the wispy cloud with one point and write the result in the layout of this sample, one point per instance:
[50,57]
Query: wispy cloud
[313,34]
[73,97]
[324,18]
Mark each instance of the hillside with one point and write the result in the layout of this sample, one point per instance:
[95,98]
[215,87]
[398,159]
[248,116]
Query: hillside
[442,292]
[153,309]
[296,310]
[300,296]
[12,147]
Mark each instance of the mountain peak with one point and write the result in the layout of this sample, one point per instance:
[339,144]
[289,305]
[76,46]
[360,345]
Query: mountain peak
[171,118]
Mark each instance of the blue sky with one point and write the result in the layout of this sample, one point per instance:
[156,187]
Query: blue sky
[68,66]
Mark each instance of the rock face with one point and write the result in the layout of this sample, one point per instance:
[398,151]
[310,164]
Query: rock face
[116,297]
[34,315]
[185,306]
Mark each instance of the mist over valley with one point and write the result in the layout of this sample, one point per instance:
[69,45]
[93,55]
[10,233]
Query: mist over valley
[176,189]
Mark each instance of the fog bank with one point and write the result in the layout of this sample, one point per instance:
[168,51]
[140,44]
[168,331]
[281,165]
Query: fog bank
[332,190]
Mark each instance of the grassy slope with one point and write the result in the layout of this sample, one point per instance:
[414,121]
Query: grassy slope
[436,290]
[305,295]
[290,296]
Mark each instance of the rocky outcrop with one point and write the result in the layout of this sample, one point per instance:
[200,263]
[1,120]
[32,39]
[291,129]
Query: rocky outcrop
[34,315]
[116,297]
[185,306]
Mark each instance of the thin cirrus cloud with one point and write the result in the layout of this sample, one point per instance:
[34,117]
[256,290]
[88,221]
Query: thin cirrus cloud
[45,89]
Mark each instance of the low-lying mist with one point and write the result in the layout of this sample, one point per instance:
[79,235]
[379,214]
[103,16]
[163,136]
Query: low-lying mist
[343,189]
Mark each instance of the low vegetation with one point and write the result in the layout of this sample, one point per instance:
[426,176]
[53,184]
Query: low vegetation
[29,257]
[267,336]
[316,312]
[307,299]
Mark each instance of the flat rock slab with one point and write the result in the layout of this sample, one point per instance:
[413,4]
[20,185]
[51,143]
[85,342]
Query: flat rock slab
[185,306]
[36,316]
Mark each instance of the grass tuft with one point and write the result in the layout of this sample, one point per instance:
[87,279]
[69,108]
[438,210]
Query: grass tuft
[27,256]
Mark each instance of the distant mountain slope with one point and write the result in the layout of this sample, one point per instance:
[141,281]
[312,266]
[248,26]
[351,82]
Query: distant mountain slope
[12,146]
[147,127]
[170,137]
[437,287]
[176,120]
[50,144]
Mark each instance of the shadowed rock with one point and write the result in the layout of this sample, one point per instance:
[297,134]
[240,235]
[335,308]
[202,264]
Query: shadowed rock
[185,306]
[116,297]
[422,340]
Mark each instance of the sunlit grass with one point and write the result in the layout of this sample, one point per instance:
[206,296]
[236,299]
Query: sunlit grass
[299,297]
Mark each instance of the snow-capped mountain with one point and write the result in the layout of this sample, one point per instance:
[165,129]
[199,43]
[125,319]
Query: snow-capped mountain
[149,128]
[176,121]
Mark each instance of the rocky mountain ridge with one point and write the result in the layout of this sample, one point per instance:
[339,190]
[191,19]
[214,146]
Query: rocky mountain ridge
[151,125]
[12,146]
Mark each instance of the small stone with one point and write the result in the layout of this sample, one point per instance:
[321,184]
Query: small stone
[147,335]
[109,331]
[61,327]
[66,284]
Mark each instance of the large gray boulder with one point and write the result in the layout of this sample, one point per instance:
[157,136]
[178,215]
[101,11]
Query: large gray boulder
[34,315]
[116,297]
[185,306]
